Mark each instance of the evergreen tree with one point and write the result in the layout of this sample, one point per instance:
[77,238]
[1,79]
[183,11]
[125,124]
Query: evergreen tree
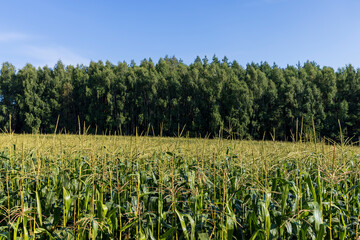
[8,92]
[207,97]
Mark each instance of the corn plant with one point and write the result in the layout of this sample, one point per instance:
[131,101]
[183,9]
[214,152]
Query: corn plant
[115,187]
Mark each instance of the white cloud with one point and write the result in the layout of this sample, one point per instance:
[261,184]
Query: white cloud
[46,55]
[21,48]
[13,36]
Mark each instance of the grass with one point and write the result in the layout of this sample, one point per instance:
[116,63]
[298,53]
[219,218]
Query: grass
[116,187]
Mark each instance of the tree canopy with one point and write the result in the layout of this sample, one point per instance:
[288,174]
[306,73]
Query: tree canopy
[202,98]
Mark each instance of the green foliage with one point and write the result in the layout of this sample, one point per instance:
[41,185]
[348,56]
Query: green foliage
[206,98]
[111,187]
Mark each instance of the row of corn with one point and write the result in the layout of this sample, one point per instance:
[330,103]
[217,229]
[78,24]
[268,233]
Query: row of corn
[113,187]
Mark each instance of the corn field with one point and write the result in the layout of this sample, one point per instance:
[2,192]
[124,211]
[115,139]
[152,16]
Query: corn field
[116,187]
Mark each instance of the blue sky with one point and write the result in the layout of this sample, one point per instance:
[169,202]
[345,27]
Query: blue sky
[280,31]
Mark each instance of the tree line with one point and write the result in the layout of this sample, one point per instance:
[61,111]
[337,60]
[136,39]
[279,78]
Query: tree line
[205,97]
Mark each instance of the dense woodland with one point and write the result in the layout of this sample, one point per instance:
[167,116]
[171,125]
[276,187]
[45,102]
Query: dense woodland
[205,97]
